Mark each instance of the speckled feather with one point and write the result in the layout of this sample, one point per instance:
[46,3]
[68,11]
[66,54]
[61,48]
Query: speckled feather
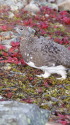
[43,52]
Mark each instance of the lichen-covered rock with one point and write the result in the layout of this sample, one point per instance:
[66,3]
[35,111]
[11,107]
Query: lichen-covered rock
[52,123]
[62,4]
[7,37]
[32,8]
[65,5]
[13,4]
[16,113]
[55,1]
[45,3]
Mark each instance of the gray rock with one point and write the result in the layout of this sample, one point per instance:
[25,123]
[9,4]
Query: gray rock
[55,1]
[61,4]
[9,37]
[33,4]
[29,5]
[16,113]
[0,97]
[45,3]
[13,4]
[43,52]
[60,1]
[65,5]
[32,8]
[54,99]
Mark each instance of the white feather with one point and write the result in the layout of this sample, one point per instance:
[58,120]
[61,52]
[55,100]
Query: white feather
[61,70]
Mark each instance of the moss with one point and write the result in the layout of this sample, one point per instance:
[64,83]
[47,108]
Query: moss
[21,80]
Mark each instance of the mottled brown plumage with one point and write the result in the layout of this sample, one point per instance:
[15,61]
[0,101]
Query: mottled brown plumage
[42,51]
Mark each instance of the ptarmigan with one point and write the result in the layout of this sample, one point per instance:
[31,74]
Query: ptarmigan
[43,53]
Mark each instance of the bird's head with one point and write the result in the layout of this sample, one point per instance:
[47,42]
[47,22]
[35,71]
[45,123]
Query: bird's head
[24,31]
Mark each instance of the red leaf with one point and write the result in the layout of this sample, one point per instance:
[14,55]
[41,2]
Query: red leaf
[5,54]
[63,122]
[4,27]
[14,44]
[23,62]
[63,13]
[1,58]
[27,100]
[2,47]
[39,90]
[66,20]
[46,84]
[9,94]
[12,60]
[30,78]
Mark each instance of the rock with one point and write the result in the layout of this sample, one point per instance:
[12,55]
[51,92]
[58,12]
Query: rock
[55,1]
[53,5]
[54,99]
[16,113]
[43,53]
[59,1]
[13,4]
[7,37]
[0,97]
[52,123]
[46,3]
[6,67]
[8,34]
[11,15]
[61,4]
[65,5]
[32,8]
[69,71]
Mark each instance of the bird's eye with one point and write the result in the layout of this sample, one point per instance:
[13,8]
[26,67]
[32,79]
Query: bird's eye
[21,29]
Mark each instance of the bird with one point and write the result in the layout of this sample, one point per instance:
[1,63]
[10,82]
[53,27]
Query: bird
[43,53]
